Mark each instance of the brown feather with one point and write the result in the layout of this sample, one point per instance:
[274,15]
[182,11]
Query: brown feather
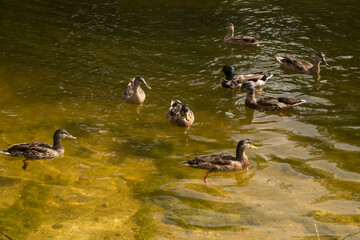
[175,117]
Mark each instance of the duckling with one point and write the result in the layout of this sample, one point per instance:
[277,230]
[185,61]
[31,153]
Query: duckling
[133,92]
[268,103]
[39,150]
[180,114]
[235,81]
[238,40]
[303,66]
[223,162]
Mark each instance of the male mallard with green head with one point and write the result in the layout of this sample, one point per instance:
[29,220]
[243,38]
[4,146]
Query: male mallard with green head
[133,93]
[302,66]
[180,114]
[39,150]
[223,162]
[235,81]
[238,40]
[268,103]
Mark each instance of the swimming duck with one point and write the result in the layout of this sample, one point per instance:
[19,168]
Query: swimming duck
[235,81]
[180,114]
[133,92]
[268,103]
[39,150]
[223,162]
[238,40]
[302,66]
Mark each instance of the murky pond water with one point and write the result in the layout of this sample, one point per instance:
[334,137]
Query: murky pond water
[64,65]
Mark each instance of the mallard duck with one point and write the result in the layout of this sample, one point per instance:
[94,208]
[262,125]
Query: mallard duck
[39,150]
[238,40]
[268,103]
[302,66]
[180,114]
[235,81]
[133,92]
[223,162]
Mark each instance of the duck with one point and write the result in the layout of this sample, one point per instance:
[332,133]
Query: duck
[268,103]
[180,114]
[302,66]
[39,150]
[133,93]
[223,162]
[239,40]
[235,81]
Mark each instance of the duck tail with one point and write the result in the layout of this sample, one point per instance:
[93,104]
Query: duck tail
[279,59]
[299,101]
[267,76]
[4,152]
[185,163]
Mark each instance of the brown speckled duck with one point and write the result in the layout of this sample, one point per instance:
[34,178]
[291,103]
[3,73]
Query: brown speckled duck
[268,103]
[238,40]
[133,92]
[302,66]
[39,150]
[180,114]
[223,162]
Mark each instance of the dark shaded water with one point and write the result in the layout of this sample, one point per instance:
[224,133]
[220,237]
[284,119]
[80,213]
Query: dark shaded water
[64,65]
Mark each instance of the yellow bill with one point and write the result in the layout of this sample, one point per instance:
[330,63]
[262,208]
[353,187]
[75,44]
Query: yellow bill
[187,116]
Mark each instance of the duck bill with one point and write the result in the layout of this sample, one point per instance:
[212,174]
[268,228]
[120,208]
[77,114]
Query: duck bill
[324,61]
[253,147]
[147,85]
[187,117]
[71,136]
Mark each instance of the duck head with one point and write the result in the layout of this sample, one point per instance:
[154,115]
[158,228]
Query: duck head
[246,143]
[62,133]
[242,146]
[185,112]
[248,87]
[321,57]
[229,26]
[140,80]
[229,72]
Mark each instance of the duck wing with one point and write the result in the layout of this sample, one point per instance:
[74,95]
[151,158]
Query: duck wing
[268,101]
[241,41]
[128,91]
[272,103]
[174,111]
[290,102]
[269,104]
[209,160]
[33,150]
[31,144]
[255,78]
[236,82]
[247,39]
[258,79]
[296,64]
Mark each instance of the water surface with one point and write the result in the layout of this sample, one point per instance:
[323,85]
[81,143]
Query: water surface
[64,65]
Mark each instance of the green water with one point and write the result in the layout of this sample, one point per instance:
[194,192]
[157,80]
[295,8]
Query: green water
[63,64]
